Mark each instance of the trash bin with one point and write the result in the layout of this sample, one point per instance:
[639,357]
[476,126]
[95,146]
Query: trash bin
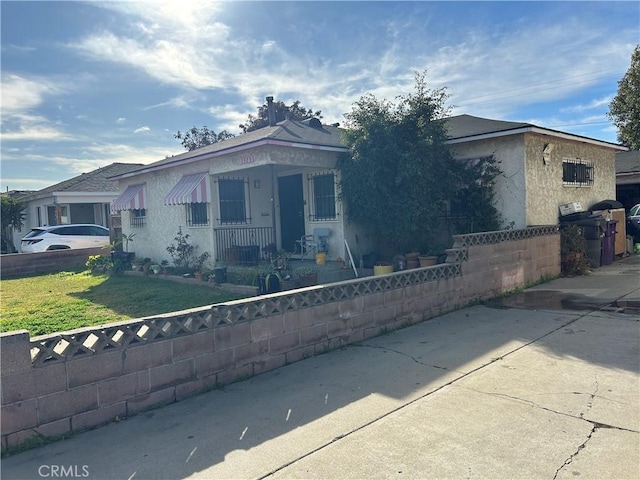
[220,274]
[608,243]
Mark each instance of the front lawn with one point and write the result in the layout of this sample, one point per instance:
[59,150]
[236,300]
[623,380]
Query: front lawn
[64,301]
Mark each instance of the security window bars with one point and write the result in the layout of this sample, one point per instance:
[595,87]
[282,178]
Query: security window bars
[138,217]
[232,197]
[197,214]
[322,192]
[577,173]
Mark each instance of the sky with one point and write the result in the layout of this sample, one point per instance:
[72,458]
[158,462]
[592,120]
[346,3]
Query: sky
[86,84]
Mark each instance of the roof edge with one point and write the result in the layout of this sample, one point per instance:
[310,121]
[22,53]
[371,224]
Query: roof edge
[539,130]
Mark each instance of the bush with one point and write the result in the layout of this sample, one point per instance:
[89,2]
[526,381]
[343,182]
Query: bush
[99,264]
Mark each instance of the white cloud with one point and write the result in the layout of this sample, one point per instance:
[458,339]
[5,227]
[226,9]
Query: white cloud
[593,104]
[141,129]
[20,97]
[121,120]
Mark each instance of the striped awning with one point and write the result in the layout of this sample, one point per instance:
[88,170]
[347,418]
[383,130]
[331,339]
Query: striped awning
[192,188]
[131,199]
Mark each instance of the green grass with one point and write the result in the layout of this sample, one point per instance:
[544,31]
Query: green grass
[64,301]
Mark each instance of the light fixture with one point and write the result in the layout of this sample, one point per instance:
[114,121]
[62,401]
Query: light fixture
[546,152]
[256,184]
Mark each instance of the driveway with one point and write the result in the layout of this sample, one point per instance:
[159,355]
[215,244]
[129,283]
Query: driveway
[525,389]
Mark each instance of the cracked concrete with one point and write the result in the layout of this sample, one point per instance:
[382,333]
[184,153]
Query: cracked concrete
[478,393]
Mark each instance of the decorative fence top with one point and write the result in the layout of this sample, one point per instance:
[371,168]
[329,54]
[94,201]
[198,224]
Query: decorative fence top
[89,341]
[488,238]
[94,340]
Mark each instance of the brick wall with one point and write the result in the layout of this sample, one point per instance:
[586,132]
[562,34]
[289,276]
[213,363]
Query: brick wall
[22,264]
[56,384]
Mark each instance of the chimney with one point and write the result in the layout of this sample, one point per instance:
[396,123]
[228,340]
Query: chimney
[271,111]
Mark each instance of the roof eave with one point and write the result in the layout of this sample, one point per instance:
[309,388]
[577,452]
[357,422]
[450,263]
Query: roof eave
[226,151]
[539,130]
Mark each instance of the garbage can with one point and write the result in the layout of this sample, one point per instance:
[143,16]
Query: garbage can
[220,274]
[609,241]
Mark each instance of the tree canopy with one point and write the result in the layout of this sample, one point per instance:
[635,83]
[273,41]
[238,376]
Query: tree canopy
[201,137]
[11,219]
[624,109]
[400,175]
[295,111]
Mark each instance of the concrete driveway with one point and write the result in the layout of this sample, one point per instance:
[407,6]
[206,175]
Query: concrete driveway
[533,386]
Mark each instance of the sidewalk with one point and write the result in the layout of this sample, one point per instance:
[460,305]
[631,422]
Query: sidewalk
[545,387]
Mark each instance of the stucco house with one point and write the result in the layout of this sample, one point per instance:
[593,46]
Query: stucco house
[240,197]
[85,198]
[542,168]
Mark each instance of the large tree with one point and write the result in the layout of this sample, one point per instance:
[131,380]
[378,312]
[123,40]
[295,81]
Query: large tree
[12,219]
[200,137]
[624,109]
[295,111]
[400,176]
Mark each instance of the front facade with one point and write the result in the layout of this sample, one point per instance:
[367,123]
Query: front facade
[542,168]
[262,191]
[240,199]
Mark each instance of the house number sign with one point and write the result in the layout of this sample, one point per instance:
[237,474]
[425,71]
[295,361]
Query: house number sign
[246,160]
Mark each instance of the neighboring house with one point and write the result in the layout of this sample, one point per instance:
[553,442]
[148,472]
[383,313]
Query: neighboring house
[542,168]
[628,178]
[240,197]
[82,199]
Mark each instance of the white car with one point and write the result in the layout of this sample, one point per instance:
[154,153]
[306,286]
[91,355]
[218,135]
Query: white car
[62,237]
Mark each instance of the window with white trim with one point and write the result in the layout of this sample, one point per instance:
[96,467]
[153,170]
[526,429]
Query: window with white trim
[577,173]
[322,196]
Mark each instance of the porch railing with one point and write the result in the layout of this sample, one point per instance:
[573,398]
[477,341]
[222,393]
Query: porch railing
[243,246]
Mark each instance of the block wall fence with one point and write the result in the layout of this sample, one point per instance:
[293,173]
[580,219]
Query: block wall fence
[22,264]
[66,382]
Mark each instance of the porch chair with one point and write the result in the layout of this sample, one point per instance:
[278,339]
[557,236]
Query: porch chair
[316,243]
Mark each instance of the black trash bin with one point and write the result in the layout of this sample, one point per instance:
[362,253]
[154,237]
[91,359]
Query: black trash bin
[609,242]
[220,274]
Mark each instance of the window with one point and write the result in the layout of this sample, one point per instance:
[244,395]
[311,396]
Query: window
[231,192]
[322,188]
[577,173]
[197,214]
[138,217]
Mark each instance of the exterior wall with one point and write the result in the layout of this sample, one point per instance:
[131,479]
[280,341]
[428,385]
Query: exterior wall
[46,262]
[511,190]
[530,191]
[163,221]
[545,191]
[56,384]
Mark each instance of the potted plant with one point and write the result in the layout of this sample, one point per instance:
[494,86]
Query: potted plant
[199,264]
[122,258]
[382,268]
[307,276]
[146,265]
[269,281]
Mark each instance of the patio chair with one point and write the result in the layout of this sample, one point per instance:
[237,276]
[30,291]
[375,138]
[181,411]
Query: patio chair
[316,243]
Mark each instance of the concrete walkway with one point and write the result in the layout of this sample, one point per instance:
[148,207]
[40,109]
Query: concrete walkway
[544,385]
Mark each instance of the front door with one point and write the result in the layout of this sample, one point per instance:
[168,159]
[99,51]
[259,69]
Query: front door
[291,211]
